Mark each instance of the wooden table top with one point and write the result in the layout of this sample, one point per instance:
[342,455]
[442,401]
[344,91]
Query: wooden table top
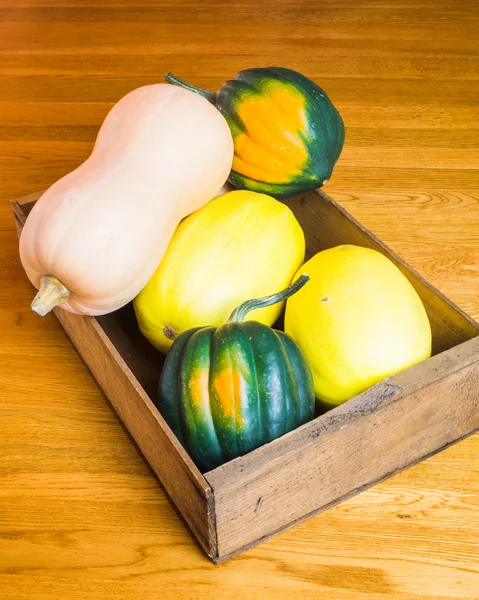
[81,514]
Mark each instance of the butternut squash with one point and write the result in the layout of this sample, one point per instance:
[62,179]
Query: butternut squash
[96,236]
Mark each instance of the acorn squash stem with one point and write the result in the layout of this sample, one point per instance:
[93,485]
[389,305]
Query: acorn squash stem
[238,315]
[52,293]
[170,78]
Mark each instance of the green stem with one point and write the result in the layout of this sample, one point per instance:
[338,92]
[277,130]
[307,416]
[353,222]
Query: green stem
[170,78]
[240,313]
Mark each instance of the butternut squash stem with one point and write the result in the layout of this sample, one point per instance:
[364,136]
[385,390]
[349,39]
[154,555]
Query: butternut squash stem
[52,292]
[238,315]
[170,78]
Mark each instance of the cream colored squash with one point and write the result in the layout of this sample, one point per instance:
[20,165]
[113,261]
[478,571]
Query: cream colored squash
[96,236]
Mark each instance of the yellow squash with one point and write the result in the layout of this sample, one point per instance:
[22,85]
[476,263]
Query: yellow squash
[240,245]
[358,321]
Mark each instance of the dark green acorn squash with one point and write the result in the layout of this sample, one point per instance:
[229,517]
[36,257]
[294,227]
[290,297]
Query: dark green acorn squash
[287,133]
[228,390]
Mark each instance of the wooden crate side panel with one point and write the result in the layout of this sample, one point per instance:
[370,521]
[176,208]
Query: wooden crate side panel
[184,483]
[347,450]
[326,225]
[224,557]
[180,477]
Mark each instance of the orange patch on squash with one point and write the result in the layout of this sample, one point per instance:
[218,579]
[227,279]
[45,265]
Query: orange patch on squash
[228,385]
[271,150]
[198,388]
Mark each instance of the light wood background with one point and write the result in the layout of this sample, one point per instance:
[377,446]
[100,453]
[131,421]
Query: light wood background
[81,515]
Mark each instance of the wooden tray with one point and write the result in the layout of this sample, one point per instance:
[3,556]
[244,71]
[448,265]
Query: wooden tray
[393,425]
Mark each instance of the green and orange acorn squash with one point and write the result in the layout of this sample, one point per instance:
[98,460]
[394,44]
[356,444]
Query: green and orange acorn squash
[228,390]
[287,133]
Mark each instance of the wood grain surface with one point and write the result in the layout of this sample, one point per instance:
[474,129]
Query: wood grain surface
[81,514]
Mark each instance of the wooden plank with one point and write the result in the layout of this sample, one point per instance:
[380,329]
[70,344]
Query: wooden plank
[223,558]
[185,485]
[326,224]
[391,426]
[412,67]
